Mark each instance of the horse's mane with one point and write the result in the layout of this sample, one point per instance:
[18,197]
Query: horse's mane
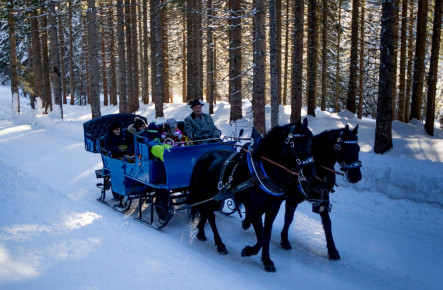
[329,137]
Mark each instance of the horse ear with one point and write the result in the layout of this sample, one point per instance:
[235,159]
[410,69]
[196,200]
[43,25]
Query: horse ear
[305,122]
[256,137]
[346,129]
[355,131]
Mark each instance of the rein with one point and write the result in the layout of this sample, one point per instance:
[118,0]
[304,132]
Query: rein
[332,170]
[266,159]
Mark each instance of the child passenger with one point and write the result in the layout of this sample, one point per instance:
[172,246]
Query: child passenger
[171,132]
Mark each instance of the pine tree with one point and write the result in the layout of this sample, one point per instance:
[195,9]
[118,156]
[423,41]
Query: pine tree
[258,90]
[235,60]
[297,62]
[419,61]
[273,39]
[312,56]
[13,58]
[352,91]
[93,59]
[383,128]
[433,68]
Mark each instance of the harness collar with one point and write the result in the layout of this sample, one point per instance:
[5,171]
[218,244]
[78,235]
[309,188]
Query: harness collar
[259,175]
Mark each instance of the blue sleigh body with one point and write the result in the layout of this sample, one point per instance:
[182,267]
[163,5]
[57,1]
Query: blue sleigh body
[160,185]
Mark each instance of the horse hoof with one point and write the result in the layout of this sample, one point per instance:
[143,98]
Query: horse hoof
[221,249]
[245,224]
[246,252]
[270,268]
[286,245]
[201,237]
[334,255]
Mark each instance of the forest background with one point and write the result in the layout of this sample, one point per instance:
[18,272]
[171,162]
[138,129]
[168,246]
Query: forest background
[377,59]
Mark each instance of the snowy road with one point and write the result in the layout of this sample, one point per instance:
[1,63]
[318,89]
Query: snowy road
[55,235]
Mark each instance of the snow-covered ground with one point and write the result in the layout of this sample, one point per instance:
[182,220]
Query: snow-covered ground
[55,235]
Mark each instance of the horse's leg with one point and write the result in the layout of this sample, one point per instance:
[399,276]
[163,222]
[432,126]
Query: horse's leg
[246,223]
[221,248]
[201,224]
[332,250]
[257,223]
[269,221]
[289,217]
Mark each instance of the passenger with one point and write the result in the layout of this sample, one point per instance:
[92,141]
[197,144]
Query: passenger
[199,125]
[137,126]
[118,142]
[170,131]
[151,132]
[157,148]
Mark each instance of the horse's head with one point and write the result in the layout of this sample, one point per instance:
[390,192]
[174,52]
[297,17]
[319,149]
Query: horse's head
[297,149]
[348,151]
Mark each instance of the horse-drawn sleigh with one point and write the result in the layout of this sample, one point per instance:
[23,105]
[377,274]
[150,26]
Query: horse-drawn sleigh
[260,175]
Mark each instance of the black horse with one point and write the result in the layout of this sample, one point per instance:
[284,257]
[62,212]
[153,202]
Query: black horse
[330,147]
[258,177]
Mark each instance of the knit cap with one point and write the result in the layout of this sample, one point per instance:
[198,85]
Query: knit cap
[152,127]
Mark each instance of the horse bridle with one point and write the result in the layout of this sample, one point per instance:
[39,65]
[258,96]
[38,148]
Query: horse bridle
[289,142]
[345,167]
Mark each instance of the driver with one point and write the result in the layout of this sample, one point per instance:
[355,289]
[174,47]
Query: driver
[199,125]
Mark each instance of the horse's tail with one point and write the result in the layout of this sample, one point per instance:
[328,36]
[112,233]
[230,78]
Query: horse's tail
[193,198]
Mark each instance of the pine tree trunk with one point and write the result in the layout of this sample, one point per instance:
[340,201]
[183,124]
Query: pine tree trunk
[55,58]
[383,128]
[91,15]
[259,54]
[129,56]
[103,38]
[410,61]
[337,68]
[71,55]
[210,61]
[273,39]
[395,53]
[215,72]
[362,61]
[122,82]
[135,64]
[145,83]
[401,92]
[312,56]
[13,59]
[152,43]
[158,59]
[285,71]
[419,62]
[184,60]
[86,56]
[36,56]
[194,52]
[62,63]
[297,62]
[112,61]
[167,98]
[279,49]
[45,68]
[324,66]
[235,60]
[352,91]
[32,100]
[433,68]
